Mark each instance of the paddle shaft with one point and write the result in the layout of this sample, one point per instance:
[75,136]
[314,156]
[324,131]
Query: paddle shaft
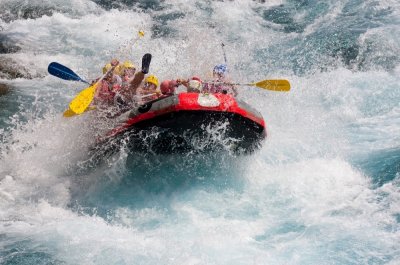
[223,51]
[273,84]
[103,76]
[124,48]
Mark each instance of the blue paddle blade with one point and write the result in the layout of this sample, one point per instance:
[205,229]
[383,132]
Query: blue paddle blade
[63,72]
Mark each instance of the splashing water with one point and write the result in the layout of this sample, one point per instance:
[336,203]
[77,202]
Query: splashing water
[323,189]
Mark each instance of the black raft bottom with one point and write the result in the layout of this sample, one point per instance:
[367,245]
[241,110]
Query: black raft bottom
[192,131]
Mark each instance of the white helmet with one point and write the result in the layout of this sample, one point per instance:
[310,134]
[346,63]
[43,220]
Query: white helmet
[195,85]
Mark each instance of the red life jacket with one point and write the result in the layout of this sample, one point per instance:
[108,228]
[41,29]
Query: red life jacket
[217,88]
[106,92]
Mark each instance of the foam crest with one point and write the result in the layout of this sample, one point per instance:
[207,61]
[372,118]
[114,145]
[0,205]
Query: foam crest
[301,199]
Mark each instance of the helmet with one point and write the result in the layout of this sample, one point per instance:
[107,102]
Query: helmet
[196,78]
[119,70]
[128,64]
[106,68]
[194,85]
[220,69]
[152,79]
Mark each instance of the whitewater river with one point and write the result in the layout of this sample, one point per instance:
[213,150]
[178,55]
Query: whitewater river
[323,189]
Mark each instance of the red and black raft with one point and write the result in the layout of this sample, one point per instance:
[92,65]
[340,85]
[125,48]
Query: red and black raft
[189,122]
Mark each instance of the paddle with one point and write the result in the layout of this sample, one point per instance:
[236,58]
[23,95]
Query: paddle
[123,50]
[82,101]
[223,51]
[63,72]
[281,85]
[273,85]
[69,113]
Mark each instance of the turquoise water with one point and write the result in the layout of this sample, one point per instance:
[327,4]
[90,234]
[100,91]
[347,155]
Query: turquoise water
[323,189]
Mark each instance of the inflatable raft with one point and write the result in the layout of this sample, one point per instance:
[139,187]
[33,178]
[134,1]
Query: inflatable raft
[189,122]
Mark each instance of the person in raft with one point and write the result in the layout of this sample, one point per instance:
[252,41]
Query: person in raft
[126,71]
[194,84]
[148,91]
[112,91]
[220,83]
[108,86]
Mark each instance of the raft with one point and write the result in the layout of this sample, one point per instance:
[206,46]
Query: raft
[189,122]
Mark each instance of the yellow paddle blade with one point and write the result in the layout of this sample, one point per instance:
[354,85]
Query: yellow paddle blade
[82,101]
[68,113]
[274,85]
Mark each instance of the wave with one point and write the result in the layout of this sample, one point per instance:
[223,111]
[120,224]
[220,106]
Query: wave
[324,187]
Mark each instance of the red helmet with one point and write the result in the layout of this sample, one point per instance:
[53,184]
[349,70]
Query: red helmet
[196,78]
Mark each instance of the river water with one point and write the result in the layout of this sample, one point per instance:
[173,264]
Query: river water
[323,189]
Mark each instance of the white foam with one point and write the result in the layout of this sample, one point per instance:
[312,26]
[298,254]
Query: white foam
[299,201]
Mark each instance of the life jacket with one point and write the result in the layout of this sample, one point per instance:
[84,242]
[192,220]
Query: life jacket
[125,86]
[106,90]
[141,95]
[218,88]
